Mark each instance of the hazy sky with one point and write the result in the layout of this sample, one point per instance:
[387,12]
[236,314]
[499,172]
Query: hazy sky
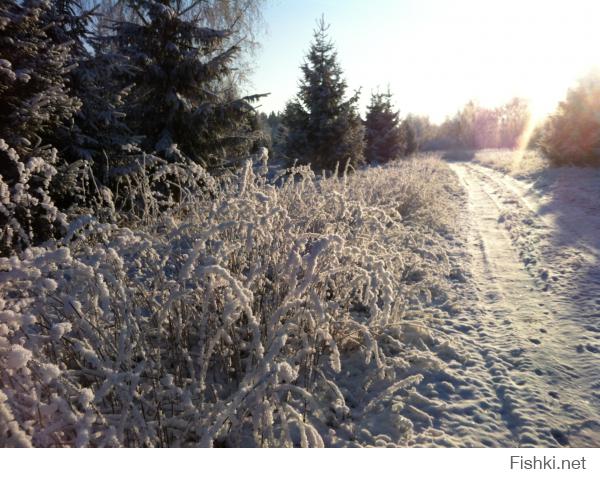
[435,54]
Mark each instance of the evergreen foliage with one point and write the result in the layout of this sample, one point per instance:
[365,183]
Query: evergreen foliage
[133,104]
[324,128]
[386,139]
[96,139]
[175,70]
[270,126]
[34,102]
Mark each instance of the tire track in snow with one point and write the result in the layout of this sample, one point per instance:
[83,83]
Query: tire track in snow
[561,230]
[557,248]
[527,340]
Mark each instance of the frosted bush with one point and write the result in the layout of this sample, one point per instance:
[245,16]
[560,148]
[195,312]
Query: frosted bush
[237,320]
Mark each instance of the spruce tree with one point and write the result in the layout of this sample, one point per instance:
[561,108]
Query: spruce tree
[95,140]
[34,102]
[386,137]
[176,101]
[323,127]
[98,123]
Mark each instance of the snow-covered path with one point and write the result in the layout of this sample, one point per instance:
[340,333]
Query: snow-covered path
[531,323]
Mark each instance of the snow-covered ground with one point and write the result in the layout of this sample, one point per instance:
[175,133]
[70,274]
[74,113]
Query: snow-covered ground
[531,322]
[419,304]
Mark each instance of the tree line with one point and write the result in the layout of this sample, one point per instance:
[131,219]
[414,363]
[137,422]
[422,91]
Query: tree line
[322,126]
[570,135]
[476,127]
[118,109]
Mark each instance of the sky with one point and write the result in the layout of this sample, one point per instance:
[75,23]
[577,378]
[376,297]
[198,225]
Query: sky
[435,55]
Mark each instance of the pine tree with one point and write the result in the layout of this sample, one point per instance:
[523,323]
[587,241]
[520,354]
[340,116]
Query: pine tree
[176,100]
[323,127]
[386,137]
[34,102]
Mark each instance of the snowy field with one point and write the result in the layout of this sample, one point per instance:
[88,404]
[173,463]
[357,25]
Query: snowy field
[426,303]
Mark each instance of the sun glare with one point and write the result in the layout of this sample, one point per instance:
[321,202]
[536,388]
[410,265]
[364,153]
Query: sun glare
[546,48]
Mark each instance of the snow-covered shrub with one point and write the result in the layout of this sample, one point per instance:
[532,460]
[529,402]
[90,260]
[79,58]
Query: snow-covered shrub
[262,316]
[27,212]
[147,186]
